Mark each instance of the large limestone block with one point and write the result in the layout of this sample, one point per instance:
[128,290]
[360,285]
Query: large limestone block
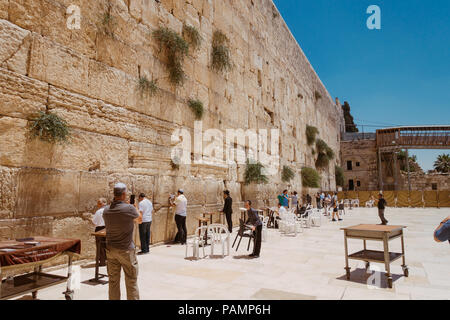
[21,96]
[93,185]
[76,228]
[84,151]
[46,192]
[14,47]
[58,65]
[4,4]
[112,85]
[26,227]
[118,54]
[8,192]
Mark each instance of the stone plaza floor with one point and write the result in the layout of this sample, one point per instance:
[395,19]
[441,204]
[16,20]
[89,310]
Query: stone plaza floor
[308,266]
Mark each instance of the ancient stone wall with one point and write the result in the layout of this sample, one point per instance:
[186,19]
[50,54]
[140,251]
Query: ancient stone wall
[90,79]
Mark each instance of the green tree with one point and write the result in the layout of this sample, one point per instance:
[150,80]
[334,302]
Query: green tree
[442,163]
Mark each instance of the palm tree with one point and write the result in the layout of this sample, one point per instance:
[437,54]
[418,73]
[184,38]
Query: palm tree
[442,164]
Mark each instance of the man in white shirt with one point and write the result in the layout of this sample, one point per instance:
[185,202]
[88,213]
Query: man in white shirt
[146,209]
[99,223]
[180,204]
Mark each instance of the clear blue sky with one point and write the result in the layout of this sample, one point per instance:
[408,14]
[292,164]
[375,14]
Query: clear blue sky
[399,75]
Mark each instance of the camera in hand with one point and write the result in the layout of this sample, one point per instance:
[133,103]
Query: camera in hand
[132,199]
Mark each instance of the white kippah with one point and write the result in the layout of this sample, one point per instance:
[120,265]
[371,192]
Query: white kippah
[120,185]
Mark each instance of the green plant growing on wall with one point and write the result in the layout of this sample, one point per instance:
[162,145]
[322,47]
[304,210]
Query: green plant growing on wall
[339,174]
[325,154]
[221,56]
[107,23]
[196,107]
[310,178]
[147,87]
[287,174]
[176,48]
[253,173]
[49,127]
[192,36]
[311,133]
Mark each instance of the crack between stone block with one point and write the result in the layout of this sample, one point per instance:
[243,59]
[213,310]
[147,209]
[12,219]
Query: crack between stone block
[18,49]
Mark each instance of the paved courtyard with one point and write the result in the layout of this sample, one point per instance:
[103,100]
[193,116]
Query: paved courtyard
[309,266]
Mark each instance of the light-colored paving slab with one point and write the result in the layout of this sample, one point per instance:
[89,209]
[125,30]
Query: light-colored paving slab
[309,266]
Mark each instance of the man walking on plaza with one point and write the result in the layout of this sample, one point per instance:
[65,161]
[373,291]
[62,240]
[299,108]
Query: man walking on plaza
[254,220]
[180,205]
[381,207]
[228,209]
[120,250]
[146,208]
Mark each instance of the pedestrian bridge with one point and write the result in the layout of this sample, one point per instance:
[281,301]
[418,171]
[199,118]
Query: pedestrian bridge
[416,137]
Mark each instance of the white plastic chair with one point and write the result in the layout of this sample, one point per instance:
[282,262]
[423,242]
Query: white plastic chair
[195,242]
[264,229]
[289,224]
[355,203]
[315,217]
[216,231]
[370,203]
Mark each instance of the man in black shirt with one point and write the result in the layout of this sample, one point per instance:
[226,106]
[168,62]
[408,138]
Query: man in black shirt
[381,207]
[228,209]
[255,221]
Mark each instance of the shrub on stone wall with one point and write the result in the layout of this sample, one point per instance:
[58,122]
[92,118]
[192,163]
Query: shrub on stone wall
[192,36]
[287,174]
[196,107]
[49,127]
[253,173]
[147,87]
[107,23]
[317,95]
[311,133]
[176,48]
[221,56]
[339,173]
[310,178]
[325,154]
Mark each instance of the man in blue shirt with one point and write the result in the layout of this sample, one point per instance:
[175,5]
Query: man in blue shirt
[442,232]
[283,199]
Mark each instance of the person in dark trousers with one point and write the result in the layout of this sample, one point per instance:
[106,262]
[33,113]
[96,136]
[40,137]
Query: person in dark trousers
[146,208]
[180,204]
[228,209]
[381,207]
[308,199]
[442,232]
[254,220]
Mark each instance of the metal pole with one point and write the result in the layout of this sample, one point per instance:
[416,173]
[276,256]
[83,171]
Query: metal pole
[407,168]
[380,171]
[394,154]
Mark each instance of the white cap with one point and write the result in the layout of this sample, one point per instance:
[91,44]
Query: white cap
[119,188]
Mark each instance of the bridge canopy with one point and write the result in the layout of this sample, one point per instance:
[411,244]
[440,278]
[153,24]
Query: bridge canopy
[414,137]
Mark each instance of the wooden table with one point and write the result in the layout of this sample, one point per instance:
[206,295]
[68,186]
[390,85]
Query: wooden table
[369,232]
[99,236]
[17,255]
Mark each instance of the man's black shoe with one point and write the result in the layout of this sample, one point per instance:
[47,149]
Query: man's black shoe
[256,256]
[251,255]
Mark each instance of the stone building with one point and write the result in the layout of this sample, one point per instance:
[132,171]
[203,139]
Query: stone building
[89,78]
[359,160]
